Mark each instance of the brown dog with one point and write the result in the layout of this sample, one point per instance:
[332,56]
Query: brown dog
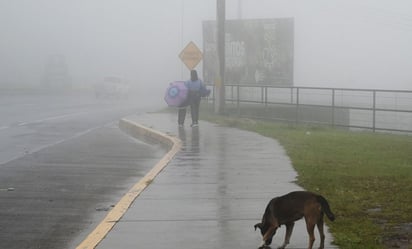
[287,209]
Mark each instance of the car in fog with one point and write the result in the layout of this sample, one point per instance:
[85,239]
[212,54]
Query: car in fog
[112,87]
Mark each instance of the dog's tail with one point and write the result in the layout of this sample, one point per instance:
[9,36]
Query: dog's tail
[325,207]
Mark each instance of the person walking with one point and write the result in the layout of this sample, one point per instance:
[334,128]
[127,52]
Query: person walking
[196,90]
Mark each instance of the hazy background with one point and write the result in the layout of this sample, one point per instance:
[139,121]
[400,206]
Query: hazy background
[348,43]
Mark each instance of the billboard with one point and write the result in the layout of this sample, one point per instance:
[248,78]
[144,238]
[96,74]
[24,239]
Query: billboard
[257,51]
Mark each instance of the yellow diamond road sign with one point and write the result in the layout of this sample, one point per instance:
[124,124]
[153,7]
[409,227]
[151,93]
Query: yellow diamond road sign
[191,55]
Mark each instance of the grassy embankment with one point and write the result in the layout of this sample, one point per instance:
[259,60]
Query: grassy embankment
[367,177]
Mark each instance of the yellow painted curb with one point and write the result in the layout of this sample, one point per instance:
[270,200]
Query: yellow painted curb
[114,216]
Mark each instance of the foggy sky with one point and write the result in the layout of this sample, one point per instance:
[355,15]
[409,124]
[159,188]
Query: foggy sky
[351,43]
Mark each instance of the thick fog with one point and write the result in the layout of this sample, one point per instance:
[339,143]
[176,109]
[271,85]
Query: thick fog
[338,43]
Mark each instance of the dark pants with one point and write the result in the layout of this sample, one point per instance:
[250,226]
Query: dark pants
[194,102]
[181,115]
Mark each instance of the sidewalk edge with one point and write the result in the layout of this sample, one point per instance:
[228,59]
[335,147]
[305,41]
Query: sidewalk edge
[138,131]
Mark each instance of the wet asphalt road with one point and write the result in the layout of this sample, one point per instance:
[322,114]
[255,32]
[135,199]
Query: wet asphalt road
[63,163]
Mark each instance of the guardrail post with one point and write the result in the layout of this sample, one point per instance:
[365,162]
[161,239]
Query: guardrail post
[238,100]
[261,95]
[213,95]
[297,105]
[333,107]
[232,93]
[374,111]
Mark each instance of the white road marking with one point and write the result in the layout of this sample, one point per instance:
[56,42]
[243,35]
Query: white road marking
[50,118]
[76,135]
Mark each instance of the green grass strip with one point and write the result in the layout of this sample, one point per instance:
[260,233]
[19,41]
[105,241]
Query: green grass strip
[367,177]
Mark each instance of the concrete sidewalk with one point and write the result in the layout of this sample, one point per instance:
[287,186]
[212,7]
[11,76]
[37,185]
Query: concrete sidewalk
[211,193]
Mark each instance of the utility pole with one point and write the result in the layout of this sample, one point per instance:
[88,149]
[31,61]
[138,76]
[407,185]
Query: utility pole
[181,31]
[220,82]
[239,9]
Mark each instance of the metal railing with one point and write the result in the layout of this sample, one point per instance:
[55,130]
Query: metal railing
[373,109]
